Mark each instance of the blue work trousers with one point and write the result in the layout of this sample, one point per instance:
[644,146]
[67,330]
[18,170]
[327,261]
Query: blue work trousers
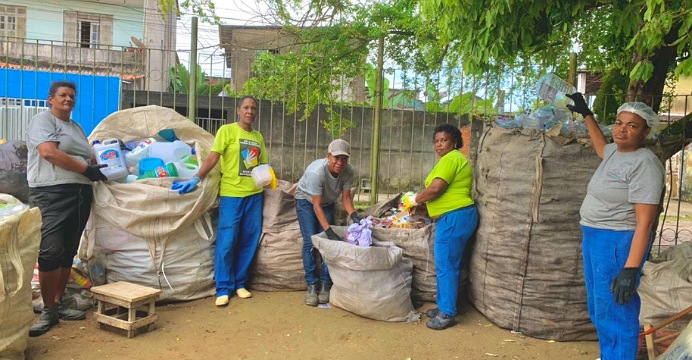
[309,225]
[452,233]
[240,227]
[605,253]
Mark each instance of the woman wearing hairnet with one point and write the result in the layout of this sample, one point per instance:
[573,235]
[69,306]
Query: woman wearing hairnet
[617,221]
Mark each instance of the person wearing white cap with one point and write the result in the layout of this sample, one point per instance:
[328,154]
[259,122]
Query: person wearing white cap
[324,182]
[617,220]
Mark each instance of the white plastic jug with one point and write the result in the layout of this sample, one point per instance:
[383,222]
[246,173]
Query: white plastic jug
[186,171]
[263,175]
[109,153]
[175,151]
[139,152]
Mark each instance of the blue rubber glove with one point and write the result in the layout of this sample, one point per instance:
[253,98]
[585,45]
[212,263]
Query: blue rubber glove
[185,186]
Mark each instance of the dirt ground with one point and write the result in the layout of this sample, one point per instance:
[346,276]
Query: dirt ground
[277,325]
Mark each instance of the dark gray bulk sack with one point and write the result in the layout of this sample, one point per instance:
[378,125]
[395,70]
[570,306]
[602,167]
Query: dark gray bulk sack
[278,263]
[417,245]
[526,271]
[13,170]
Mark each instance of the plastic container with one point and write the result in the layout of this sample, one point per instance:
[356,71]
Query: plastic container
[170,151]
[149,163]
[160,172]
[185,170]
[140,151]
[551,87]
[263,175]
[109,153]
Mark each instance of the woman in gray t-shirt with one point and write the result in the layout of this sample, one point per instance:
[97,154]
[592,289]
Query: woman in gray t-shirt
[60,173]
[617,217]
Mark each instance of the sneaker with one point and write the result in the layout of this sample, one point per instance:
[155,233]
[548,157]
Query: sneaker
[222,300]
[323,296]
[440,321]
[432,312]
[311,297]
[243,294]
[48,318]
[65,313]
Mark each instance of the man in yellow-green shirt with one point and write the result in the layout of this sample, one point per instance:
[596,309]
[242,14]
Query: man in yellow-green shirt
[240,148]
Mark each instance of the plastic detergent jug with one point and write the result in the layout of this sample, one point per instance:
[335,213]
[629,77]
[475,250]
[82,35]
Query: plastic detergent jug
[551,87]
[170,151]
[160,172]
[140,151]
[263,175]
[109,153]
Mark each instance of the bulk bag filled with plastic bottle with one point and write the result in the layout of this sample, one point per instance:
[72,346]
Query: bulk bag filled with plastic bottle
[373,282]
[147,211]
[526,270]
[20,238]
[417,245]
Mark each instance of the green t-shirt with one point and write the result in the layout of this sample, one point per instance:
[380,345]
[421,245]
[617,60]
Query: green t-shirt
[240,152]
[456,171]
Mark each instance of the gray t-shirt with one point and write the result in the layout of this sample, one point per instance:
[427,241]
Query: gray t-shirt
[70,138]
[621,180]
[318,181]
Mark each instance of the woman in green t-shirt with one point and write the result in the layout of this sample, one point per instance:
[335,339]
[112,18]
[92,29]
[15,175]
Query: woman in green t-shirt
[448,196]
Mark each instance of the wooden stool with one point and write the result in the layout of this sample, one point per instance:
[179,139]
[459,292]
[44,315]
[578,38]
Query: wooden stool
[126,306]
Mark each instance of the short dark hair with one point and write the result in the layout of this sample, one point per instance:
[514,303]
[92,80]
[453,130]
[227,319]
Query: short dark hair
[240,102]
[452,131]
[58,84]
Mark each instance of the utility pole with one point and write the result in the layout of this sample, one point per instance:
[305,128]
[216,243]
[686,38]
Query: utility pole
[192,90]
[375,148]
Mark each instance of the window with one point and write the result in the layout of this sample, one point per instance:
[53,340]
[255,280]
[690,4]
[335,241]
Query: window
[8,25]
[88,33]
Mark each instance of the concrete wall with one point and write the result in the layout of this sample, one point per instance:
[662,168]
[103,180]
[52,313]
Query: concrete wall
[406,145]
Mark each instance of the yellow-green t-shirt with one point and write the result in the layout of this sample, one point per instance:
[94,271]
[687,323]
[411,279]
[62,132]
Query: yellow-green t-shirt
[240,152]
[456,171]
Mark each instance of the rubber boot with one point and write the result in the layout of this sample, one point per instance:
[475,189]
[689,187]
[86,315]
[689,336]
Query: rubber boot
[323,296]
[311,297]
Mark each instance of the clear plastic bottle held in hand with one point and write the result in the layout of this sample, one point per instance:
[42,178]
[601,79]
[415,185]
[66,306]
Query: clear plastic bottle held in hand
[551,87]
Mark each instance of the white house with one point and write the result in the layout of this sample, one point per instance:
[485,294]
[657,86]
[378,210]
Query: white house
[126,38]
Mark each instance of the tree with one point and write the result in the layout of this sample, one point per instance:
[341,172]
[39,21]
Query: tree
[205,9]
[644,38]
[180,81]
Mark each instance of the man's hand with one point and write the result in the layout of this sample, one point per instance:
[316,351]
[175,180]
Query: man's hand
[355,218]
[409,200]
[93,172]
[331,235]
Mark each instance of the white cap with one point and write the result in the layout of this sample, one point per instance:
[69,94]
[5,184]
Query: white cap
[645,112]
[339,147]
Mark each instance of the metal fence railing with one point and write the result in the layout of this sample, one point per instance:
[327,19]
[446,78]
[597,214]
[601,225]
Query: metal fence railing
[299,113]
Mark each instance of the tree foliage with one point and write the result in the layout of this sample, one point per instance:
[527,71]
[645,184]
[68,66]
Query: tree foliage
[645,38]
[205,9]
[180,81]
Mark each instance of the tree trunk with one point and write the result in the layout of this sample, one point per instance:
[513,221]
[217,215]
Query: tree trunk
[651,92]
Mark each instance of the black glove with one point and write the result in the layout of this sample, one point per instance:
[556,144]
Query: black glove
[625,285]
[331,235]
[579,104]
[94,173]
[355,218]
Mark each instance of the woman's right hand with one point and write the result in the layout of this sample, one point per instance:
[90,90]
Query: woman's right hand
[93,172]
[580,105]
[185,186]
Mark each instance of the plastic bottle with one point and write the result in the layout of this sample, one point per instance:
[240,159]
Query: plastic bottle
[551,87]
[11,209]
[160,172]
[186,170]
[190,158]
[140,151]
[109,153]
[170,151]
